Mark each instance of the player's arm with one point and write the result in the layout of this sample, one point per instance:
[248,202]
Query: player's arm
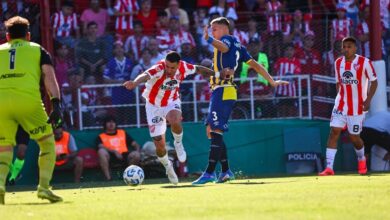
[141,78]
[370,94]
[204,71]
[219,45]
[262,71]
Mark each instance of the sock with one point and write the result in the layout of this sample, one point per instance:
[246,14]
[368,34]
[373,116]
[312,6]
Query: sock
[16,168]
[46,161]
[5,161]
[360,153]
[330,154]
[164,160]
[224,160]
[178,137]
[215,151]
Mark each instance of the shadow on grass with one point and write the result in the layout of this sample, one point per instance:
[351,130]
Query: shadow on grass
[182,186]
[37,203]
[260,183]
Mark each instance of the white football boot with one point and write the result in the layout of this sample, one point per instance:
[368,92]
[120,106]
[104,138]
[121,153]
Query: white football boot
[171,174]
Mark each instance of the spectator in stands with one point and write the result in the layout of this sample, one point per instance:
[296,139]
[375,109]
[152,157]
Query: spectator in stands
[90,52]
[303,5]
[341,26]
[384,7]
[174,10]
[308,56]
[68,105]
[89,97]
[223,9]
[97,14]
[260,12]
[3,32]
[148,17]
[124,10]
[200,22]
[162,23]
[117,71]
[255,49]
[154,51]
[136,42]
[62,63]
[330,57]
[203,91]
[287,65]
[362,33]
[274,28]
[253,31]
[239,34]
[352,9]
[65,25]
[204,3]
[186,89]
[116,146]
[66,153]
[146,63]
[173,40]
[296,28]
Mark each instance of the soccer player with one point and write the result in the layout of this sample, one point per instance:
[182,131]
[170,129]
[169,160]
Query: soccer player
[352,101]
[228,53]
[21,65]
[163,103]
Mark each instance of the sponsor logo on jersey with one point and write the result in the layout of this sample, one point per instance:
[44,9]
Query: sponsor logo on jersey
[11,75]
[170,85]
[157,120]
[348,79]
[37,130]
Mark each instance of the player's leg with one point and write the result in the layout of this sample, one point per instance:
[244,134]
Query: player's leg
[22,139]
[337,124]
[354,124]
[174,117]
[157,128]
[78,168]
[104,162]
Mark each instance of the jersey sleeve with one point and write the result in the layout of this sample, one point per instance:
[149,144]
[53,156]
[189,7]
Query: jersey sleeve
[189,69]
[244,55]
[129,141]
[228,41]
[370,71]
[156,71]
[45,57]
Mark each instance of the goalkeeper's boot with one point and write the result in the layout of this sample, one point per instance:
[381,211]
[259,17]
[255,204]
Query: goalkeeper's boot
[171,174]
[2,195]
[362,167]
[48,194]
[327,172]
[225,176]
[205,178]
[181,153]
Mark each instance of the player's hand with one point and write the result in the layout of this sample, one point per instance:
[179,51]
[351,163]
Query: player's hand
[226,73]
[129,85]
[206,32]
[118,155]
[55,117]
[279,83]
[366,105]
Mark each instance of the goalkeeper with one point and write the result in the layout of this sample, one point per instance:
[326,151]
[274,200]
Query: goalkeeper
[21,65]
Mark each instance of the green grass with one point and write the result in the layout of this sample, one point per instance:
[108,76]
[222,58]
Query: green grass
[309,197]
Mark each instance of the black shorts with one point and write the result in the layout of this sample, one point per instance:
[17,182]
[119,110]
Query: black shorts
[114,161]
[22,137]
[68,165]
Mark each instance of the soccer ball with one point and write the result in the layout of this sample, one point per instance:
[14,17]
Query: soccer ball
[133,175]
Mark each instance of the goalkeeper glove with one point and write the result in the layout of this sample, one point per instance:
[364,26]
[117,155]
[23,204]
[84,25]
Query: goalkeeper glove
[55,117]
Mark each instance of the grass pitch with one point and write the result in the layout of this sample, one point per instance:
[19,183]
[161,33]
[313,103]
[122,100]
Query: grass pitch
[309,197]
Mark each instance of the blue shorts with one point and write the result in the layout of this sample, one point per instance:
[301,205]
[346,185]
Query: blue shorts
[221,105]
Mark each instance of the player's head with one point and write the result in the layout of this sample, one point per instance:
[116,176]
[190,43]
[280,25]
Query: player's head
[349,46]
[17,27]
[172,60]
[220,27]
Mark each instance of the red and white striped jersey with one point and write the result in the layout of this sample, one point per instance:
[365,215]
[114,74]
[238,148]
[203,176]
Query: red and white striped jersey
[352,78]
[363,29]
[289,29]
[274,19]
[287,67]
[136,45]
[125,22]
[174,41]
[160,89]
[241,36]
[341,27]
[64,25]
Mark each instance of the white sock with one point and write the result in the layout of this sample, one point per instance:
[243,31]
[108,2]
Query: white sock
[164,160]
[178,137]
[360,153]
[330,154]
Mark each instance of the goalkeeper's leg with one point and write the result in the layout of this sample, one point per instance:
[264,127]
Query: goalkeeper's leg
[46,164]
[6,154]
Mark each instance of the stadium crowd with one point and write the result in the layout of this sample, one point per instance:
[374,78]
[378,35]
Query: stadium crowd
[111,41]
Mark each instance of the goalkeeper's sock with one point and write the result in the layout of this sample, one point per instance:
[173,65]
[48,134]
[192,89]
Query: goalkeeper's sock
[215,151]
[16,168]
[46,161]
[224,160]
[5,161]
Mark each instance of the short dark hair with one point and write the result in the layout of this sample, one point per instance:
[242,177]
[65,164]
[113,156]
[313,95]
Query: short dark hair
[68,3]
[221,20]
[173,57]
[17,27]
[91,23]
[108,118]
[350,39]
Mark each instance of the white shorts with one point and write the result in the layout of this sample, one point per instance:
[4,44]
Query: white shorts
[156,117]
[353,122]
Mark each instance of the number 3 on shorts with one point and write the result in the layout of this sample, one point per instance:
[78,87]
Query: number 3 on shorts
[355,128]
[215,117]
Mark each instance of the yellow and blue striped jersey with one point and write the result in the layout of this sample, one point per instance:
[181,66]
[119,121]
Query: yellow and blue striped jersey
[236,54]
